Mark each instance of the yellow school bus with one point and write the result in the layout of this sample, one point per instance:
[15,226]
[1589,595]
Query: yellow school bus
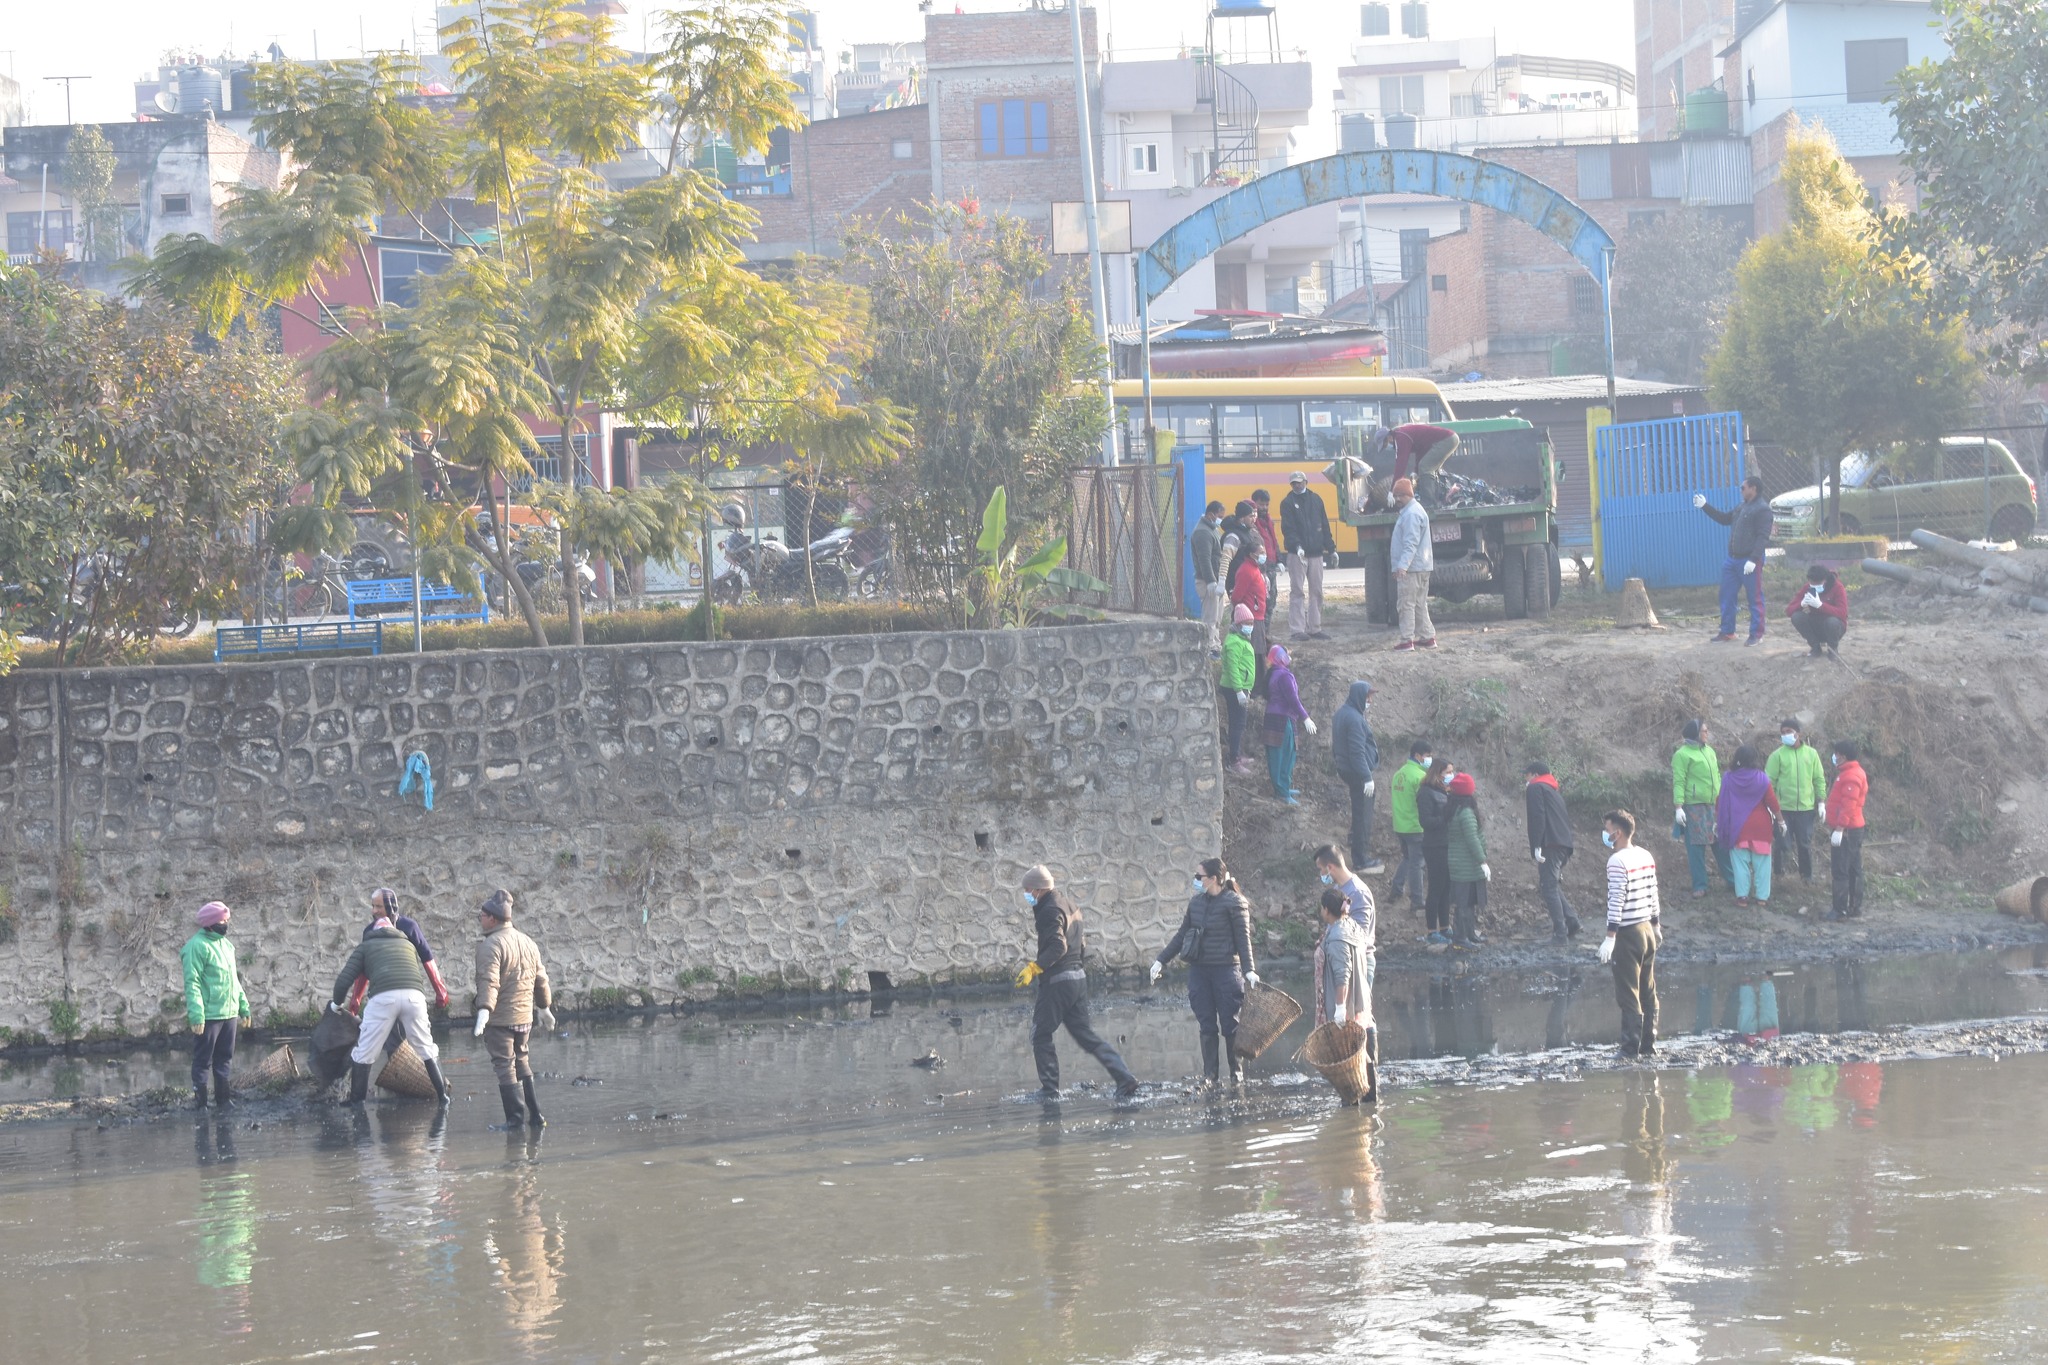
[1252,433]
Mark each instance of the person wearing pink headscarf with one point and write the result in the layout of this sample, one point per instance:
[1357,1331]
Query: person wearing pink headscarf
[214,1003]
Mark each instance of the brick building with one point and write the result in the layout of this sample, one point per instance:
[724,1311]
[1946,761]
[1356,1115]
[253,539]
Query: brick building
[1678,53]
[869,166]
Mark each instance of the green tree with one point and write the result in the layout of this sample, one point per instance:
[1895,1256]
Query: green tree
[133,461]
[1971,127]
[89,171]
[1820,354]
[989,367]
[1672,280]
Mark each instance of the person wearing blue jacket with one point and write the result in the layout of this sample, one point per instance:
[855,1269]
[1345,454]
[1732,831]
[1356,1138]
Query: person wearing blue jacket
[1357,754]
[1411,559]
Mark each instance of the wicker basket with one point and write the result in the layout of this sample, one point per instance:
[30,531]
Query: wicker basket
[1338,1051]
[279,1068]
[1268,1012]
[405,1074]
[2026,899]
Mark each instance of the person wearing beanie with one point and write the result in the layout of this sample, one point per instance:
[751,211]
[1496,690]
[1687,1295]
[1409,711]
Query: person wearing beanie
[1821,613]
[1239,674]
[1412,560]
[215,1006]
[1469,870]
[397,999]
[384,902]
[512,995]
[1063,989]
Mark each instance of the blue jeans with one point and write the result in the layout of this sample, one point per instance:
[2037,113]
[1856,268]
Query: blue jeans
[1408,873]
[1734,580]
[1280,763]
[1216,994]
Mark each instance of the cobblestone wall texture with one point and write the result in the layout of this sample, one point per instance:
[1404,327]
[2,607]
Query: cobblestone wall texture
[790,812]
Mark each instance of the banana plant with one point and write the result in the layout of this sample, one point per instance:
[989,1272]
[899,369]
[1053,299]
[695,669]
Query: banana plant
[1010,590]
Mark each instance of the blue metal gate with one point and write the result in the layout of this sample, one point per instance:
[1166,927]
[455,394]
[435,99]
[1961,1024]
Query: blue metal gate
[1645,473]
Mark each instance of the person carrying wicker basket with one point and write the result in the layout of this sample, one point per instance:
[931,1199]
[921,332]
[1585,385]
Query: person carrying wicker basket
[1343,988]
[1215,936]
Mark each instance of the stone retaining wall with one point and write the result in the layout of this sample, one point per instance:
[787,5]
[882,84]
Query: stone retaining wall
[670,816]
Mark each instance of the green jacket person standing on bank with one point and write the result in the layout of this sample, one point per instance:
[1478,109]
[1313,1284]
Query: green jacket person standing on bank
[214,1002]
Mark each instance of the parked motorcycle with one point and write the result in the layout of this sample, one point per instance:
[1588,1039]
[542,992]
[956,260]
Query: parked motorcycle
[769,569]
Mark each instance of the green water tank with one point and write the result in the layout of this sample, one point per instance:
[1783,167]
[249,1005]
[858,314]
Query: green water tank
[1706,111]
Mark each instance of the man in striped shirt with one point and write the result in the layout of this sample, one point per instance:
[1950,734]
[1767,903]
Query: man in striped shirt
[1630,947]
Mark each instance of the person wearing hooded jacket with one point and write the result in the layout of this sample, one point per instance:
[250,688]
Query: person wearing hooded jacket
[1433,813]
[1695,787]
[1215,936]
[215,1005]
[1747,816]
[1356,754]
[1248,589]
[1283,712]
[1063,989]
[1844,818]
[1821,613]
[1236,678]
[1469,869]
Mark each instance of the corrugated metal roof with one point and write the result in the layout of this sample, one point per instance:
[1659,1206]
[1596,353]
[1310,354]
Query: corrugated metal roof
[1667,171]
[1564,388]
[1717,171]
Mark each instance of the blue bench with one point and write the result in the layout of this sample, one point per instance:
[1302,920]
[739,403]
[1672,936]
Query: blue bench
[397,593]
[236,641]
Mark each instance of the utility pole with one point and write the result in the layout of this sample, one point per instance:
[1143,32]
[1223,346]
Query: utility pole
[1095,289]
[67,91]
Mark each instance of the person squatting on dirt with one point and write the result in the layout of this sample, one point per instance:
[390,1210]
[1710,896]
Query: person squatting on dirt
[1749,536]
[1305,529]
[1412,559]
[1343,973]
[1550,844]
[1469,870]
[1695,787]
[397,999]
[214,1002]
[1801,784]
[1630,948]
[1845,831]
[1821,613]
[1063,989]
[1746,814]
[1402,793]
[1215,939]
[1355,753]
[512,995]
[1238,674]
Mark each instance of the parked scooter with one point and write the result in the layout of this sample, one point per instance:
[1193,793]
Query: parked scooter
[768,568]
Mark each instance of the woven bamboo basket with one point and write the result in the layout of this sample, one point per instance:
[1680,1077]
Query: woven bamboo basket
[2024,899]
[1338,1051]
[280,1066]
[1267,1013]
[405,1074]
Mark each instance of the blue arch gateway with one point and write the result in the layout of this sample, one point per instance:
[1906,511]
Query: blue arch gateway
[1352,175]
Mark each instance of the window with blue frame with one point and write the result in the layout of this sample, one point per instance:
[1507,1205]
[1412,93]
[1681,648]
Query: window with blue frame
[1015,128]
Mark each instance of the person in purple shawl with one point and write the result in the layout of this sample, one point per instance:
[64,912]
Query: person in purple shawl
[1284,711]
[1746,817]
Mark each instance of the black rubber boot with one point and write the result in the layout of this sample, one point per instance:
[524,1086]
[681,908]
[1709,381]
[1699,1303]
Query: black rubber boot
[222,1098]
[1236,1061]
[533,1115]
[1209,1045]
[199,1097]
[515,1112]
[1372,1066]
[440,1082]
[358,1082]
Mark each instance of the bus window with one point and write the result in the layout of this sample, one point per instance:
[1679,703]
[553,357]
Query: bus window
[1341,426]
[1189,423]
[1237,430]
[1400,414]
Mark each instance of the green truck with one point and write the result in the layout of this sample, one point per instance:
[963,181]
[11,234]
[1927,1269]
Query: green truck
[1492,521]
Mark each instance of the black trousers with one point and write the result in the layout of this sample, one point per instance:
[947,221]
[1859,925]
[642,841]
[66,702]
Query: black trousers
[1437,861]
[1065,1002]
[1798,837]
[1361,821]
[1845,872]
[212,1049]
[1819,628]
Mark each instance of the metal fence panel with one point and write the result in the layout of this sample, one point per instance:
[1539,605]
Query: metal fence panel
[1647,472]
[1126,526]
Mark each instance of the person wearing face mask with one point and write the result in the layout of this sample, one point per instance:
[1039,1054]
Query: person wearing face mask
[1633,936]
[1343,976]
[1695,787]
[1747,816]
[1333,872]
[1284,711]
[1845,831]
[1550,844]
[1248,589]
[1063,989]
[1801,784]
[1821,613]
[1240,673]
[215,1006]
[1469,869]
[1269,536]
[1356,753]
[1401,791]
[1215,937]
[1205,547]
[1412,559]
[1433,813]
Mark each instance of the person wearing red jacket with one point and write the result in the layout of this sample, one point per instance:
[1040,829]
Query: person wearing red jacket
[1250,590]
[1821,613]
[1845,831]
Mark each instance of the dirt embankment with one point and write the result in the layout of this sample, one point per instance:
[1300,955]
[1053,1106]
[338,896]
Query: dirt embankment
[1951,714]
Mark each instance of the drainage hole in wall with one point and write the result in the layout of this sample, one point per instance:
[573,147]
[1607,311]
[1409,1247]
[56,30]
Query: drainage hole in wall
[938,730]
[984,841]
[795,855]
[1123,727]
[1158,819]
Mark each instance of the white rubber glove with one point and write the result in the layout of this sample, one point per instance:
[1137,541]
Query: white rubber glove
[1486,871]
[1158,968]
[1251,978]
[1748,567]
[1337,1015]
[1678,816]
[1835,839]
[1308,725]
[1216,588]
[1699,500]
[1607,949]
[1244,699]
[1539,855]
[1368,786]
[483,1017]
[546,1019]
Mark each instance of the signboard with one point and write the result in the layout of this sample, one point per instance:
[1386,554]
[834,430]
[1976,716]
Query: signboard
[1070,227]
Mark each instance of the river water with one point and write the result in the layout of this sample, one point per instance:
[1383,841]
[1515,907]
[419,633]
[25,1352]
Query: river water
[790,1187]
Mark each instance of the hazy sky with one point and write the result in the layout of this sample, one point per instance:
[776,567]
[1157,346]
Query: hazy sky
[116,41]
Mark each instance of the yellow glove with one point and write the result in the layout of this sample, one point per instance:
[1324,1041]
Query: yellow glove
[1032,971]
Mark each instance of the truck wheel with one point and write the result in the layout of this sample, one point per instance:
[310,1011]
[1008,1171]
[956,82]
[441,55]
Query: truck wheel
[2013,523]
[1514,581]
[1379,591]
[1536,572]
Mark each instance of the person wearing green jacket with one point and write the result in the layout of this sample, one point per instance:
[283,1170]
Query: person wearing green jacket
[214,1003]
[1240,671]
[1695,786]
[1801,784]
[1469,872]
[1408,873]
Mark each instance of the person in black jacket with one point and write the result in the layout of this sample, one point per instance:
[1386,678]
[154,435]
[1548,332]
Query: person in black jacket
[1433,810]
[1305,534]
[1356,754]
[1063,989]
[1749,535]
[1550,844]
[1216,938]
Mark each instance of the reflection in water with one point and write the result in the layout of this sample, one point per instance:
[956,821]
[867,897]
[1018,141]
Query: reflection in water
[226,1225]
[526,1252]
